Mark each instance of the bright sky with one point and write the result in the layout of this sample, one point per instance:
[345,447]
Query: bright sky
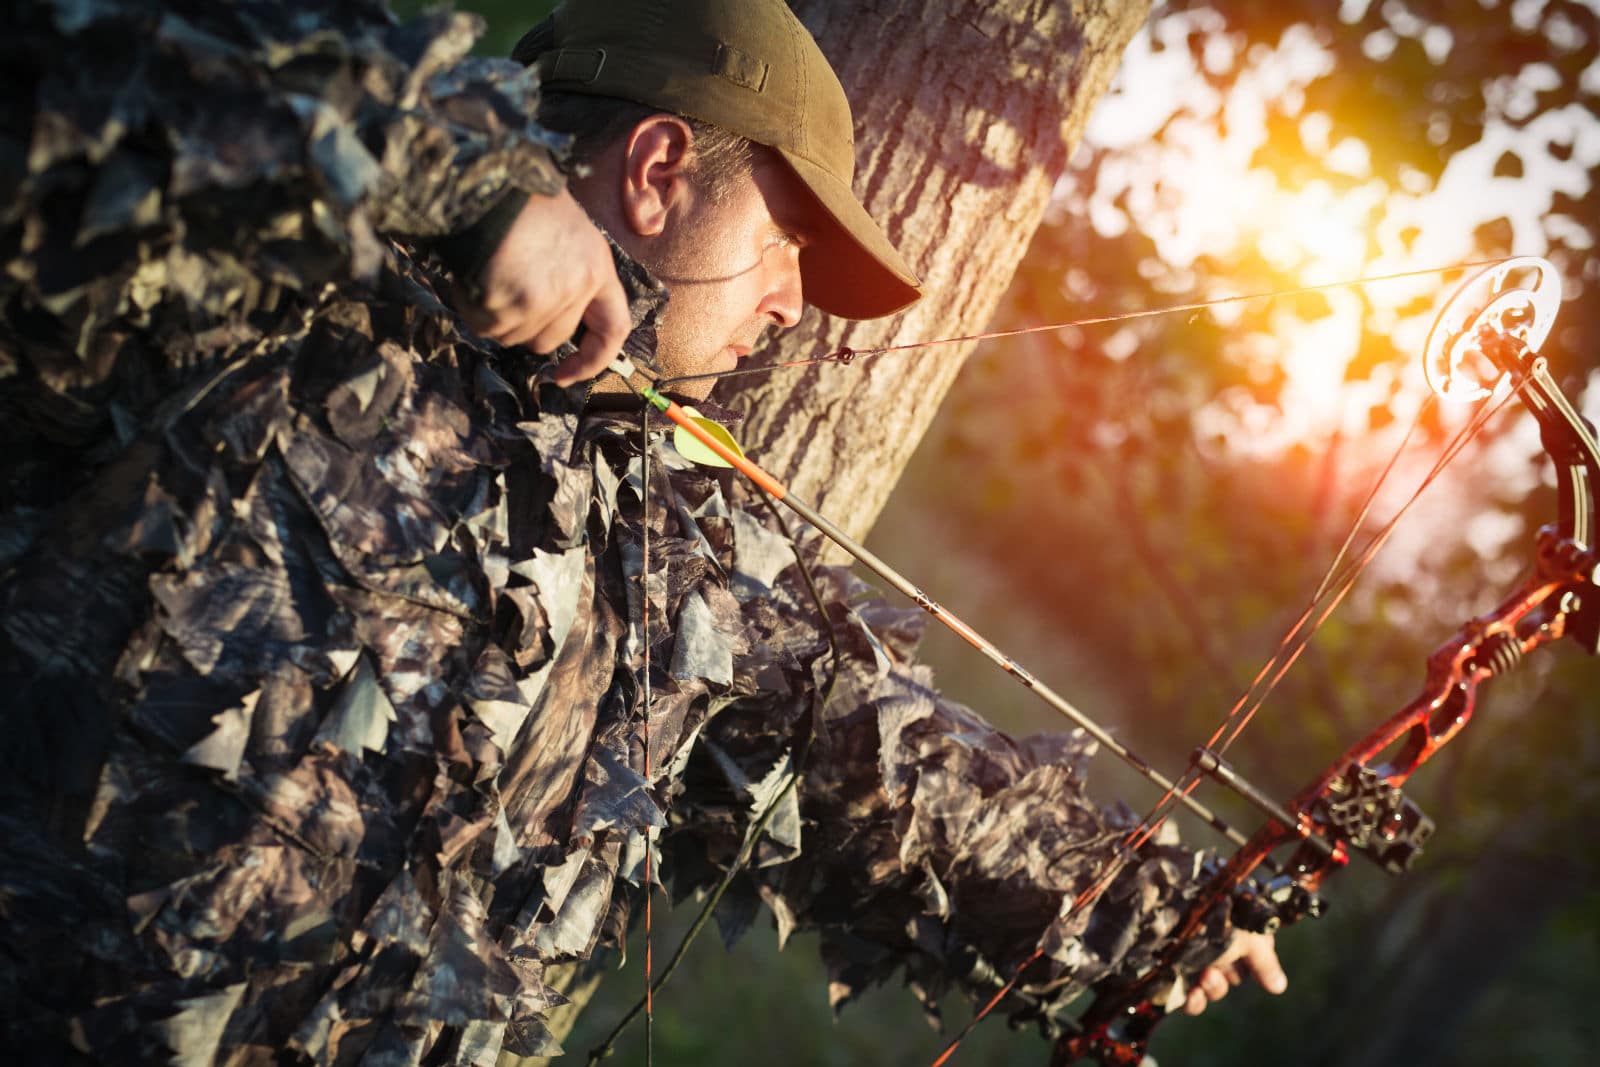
[1195,193]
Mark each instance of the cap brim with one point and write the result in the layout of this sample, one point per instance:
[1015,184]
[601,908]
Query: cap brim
[850,269]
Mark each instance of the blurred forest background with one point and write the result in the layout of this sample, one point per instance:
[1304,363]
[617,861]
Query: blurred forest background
[1139,510]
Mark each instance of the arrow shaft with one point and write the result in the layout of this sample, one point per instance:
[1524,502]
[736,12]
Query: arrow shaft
[780,492]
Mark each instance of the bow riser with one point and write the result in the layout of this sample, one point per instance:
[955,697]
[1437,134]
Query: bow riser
[1485,647]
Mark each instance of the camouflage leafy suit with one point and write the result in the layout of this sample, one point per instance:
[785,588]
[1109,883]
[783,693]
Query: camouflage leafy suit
[321,619]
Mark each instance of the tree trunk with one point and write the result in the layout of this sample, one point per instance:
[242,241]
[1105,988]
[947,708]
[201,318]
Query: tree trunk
[966,112]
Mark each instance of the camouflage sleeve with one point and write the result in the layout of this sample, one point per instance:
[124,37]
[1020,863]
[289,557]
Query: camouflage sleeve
[930,844]
[181,166]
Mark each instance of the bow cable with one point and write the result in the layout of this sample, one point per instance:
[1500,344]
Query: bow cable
[1335,584]
[1341,575]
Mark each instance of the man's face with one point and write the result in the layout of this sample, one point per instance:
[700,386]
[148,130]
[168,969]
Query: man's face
[733,267]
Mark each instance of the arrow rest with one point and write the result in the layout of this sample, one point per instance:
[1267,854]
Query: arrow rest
[1266,906]
[1365,810]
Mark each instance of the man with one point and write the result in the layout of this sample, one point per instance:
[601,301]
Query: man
[777,199]
[319,615]
[752,244]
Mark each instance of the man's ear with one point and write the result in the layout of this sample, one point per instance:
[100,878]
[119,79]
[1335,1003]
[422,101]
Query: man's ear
[656,162]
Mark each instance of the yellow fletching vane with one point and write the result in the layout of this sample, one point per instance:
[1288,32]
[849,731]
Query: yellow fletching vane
[692,449]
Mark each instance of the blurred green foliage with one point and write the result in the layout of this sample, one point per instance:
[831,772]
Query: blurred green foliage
[504,20]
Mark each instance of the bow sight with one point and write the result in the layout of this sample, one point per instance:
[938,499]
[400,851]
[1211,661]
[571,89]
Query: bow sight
[1486,339]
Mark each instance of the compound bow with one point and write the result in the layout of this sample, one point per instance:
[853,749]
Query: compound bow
[1491,329]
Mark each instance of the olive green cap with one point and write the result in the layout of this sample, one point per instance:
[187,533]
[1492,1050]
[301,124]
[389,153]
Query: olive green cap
[750,67]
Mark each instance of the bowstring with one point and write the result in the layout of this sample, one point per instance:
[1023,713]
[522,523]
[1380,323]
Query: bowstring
[821,699]
[1294,642]
[649,839]
[848,356]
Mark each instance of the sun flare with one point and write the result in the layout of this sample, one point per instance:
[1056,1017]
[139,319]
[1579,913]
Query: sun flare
[1250,189]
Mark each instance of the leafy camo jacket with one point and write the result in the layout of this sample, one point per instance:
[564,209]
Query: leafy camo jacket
[322,623]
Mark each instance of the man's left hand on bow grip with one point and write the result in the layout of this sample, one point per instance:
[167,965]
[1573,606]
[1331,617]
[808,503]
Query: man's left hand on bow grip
[1255,954]
[552,272]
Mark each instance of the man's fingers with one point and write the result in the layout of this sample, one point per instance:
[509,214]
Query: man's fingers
[522,326]
[552,271]
[1259,956]
[1210,987]
[595,353]
[558,329]
[608,324]
[510,325]
[1262,959]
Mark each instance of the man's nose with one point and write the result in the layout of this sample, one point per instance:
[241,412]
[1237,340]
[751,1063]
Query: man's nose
[785,298]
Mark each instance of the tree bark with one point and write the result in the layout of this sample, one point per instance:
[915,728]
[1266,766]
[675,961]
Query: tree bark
[966,112]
